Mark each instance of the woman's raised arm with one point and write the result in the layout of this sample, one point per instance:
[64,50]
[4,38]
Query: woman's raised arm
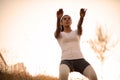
[58,26]
[79,26]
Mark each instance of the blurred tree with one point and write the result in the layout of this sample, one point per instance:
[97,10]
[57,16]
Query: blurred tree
[102,43]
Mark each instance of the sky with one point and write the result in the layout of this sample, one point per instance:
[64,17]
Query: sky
[27,33]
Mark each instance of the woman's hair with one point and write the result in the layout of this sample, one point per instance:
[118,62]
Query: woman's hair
[62,28]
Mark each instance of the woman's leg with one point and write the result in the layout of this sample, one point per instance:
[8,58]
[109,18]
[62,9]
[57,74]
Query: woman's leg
[90,73]
[64,72]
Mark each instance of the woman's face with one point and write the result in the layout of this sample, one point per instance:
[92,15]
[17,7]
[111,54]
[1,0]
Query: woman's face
[66,21]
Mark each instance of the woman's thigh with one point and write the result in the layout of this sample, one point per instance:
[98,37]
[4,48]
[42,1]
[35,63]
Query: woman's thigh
[89,72]
[64,72]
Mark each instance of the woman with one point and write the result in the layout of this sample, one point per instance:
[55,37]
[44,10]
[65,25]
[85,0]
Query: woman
[69,41]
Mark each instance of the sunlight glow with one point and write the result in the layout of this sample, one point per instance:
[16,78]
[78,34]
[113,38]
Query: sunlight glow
[27,28]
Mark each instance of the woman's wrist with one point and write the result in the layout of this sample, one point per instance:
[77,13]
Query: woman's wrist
[81,16]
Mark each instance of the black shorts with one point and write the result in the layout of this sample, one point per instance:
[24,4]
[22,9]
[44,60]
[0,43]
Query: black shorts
[76,64]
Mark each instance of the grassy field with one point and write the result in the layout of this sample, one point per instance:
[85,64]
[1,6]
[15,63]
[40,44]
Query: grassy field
[24,76]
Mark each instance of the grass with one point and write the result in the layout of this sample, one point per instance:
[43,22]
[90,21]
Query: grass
[44,77]
[24,76]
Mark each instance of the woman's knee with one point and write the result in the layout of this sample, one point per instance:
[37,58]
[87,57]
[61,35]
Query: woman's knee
[64,72]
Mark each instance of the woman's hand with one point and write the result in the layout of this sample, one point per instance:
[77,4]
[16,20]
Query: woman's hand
[60,13]
[82,12]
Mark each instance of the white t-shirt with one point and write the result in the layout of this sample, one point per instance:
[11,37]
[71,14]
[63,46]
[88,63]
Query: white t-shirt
[70,45]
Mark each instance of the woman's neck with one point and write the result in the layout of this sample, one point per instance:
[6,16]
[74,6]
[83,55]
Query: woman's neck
[67,29]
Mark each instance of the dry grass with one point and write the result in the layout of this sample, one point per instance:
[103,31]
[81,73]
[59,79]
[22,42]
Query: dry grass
[24,76]
[44,77]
